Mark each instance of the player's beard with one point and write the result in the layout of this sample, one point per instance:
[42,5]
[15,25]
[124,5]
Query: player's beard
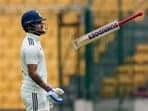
[39,29]
[42,29]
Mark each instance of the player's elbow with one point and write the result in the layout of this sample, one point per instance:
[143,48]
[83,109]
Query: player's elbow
[32,74]
[32,69]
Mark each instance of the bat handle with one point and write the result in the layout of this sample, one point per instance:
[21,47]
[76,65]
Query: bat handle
[121,22]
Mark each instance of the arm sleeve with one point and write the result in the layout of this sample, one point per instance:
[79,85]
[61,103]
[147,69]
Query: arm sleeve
[31,55]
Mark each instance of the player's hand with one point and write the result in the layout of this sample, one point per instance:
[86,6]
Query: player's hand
[52,96]
[58,91]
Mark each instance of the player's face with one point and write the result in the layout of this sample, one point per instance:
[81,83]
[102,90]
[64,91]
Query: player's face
[41,27]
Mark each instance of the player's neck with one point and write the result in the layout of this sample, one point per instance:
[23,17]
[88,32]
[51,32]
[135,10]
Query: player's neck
[34,36]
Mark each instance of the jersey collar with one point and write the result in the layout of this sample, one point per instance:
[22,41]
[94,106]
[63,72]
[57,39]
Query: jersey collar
[33,36]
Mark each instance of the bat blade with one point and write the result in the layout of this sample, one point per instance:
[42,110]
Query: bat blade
[96,34]
[102,31]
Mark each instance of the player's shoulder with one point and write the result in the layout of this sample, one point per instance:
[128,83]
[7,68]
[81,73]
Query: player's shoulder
[29,45]
[29,42]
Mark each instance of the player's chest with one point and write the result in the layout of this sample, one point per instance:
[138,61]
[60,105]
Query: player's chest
[40,51]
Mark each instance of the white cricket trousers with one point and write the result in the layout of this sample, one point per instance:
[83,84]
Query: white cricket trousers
[35,101]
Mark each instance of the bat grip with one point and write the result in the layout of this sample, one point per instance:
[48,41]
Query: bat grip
[121,22]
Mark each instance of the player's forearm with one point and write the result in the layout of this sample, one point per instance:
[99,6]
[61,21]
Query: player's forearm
[35,77]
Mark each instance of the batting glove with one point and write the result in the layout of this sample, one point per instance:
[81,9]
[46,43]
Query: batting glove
[52,96]
[58,91]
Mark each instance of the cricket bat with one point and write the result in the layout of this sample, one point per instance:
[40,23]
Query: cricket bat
[102,31]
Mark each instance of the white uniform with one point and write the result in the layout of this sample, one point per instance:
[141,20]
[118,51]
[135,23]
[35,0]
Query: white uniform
[33,96]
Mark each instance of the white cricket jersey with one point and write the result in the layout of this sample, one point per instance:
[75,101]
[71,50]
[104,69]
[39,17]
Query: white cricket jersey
[32,53]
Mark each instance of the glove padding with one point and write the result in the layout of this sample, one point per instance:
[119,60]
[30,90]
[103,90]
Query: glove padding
[58,91]
[54,97]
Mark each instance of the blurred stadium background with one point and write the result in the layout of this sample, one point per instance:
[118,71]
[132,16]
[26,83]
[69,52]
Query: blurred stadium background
[104,75]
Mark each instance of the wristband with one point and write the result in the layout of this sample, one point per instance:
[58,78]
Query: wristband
[48,89]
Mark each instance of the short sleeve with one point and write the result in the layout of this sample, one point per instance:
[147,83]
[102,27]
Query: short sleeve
[31,55]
